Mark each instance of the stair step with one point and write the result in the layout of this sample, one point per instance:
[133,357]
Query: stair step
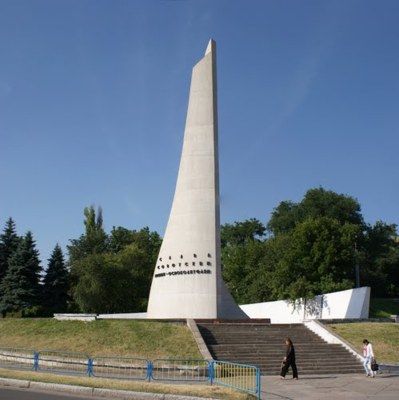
[261,345]
[302,364]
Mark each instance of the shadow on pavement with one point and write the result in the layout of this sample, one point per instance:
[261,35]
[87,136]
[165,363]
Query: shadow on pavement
[268,394]
[306,378]
[386,376]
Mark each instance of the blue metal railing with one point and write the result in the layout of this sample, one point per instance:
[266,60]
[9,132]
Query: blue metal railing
[17,358]
[63,362]
[120,367]
[180,370]
[242,377]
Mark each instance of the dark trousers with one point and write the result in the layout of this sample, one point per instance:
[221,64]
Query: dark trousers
[286,365]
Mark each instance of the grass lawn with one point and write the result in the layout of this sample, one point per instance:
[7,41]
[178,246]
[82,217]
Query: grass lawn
[383,308]
[203,390]
[383,336]
[147,339]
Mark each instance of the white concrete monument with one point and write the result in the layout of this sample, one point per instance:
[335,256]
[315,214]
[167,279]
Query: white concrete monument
[187,281]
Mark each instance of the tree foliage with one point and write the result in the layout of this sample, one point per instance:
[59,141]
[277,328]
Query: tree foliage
[242,232]
[9,241]
[241,266]
[316,203]
[21,287]
[110,283]
[56,283]
[93,241]
[314,247]
[306,248]
[242,249]
[112,273]
[319,258]
[380,259]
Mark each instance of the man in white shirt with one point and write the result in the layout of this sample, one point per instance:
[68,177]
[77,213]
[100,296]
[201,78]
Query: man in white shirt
[368,355]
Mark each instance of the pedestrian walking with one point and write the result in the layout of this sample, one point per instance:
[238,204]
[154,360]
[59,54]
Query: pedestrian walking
[369,359]
[289,360]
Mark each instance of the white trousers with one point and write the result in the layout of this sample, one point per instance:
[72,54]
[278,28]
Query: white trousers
[367,366]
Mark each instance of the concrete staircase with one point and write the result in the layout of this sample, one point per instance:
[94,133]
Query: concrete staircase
[262,344]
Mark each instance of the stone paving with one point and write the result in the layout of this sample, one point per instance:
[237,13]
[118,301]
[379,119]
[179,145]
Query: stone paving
[337,387]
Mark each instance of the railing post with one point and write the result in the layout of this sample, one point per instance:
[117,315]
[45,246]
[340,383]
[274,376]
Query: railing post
[150,368]
[90,367]
[211,372]
[36,360]
[258,383]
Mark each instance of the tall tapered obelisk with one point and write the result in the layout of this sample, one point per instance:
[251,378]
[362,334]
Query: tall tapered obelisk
[187,281]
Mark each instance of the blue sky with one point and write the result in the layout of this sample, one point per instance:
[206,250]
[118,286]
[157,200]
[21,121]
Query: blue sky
[93,97]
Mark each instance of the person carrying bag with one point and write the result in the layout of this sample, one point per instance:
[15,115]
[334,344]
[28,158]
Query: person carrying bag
[369,363]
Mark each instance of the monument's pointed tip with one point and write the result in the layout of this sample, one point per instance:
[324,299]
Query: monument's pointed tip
[210,47]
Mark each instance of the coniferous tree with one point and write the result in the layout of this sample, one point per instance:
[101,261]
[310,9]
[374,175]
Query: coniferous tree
[9,241]
[33,267]
[56,283]
[21,287]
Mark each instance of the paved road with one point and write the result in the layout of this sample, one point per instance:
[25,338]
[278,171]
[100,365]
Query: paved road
[336,387]
[26,394]
[321,387]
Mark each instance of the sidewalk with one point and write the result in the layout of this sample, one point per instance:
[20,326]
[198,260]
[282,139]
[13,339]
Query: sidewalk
[336,387]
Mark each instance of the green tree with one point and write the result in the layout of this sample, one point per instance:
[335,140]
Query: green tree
[135,258]
[241,266]
[242,248]
[241,232]
[112,283]
[21,287]
[319,258]
[9,241]
[284,218]
[56,283]
[112,273]
[379,263]
[149,243]
[119,238]
[33,268]
[311,250]
[101,285]
[93,241]
[316,203]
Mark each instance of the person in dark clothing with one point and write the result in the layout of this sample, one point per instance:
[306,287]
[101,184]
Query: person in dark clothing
[289,360]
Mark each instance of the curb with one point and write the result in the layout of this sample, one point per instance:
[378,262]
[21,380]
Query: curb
[17,383]
[97,392]
[61,388]
[127,394]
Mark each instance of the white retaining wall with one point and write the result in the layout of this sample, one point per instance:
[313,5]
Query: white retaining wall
[75,317]
[142,315]
[346,304]
[322,331]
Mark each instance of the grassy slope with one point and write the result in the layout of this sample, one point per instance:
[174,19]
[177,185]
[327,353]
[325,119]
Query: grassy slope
[146,339]
[383,308]
[138,386]
[383,336]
